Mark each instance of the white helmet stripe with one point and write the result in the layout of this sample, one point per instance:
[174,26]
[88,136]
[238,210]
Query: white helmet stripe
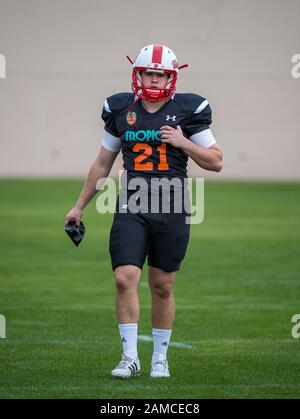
[156,57]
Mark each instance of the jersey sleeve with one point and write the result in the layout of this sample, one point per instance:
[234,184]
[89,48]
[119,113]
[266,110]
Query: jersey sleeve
[109,119]
[110,142]
[204,138]
[199,120]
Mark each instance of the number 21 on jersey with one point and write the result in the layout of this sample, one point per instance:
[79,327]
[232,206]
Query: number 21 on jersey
[147,149]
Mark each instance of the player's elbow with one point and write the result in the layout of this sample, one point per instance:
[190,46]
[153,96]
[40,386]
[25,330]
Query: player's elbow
[218,165]
[217,162]
[216,158]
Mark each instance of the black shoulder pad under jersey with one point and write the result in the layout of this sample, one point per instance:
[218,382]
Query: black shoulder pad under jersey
[113,105]
[190,102]
[198,112]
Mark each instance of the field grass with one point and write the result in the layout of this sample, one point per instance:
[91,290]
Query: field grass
[236,293]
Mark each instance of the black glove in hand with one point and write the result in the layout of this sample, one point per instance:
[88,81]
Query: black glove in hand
[75,232]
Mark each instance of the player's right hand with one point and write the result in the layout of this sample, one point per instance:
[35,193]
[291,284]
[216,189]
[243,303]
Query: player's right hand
[74,215]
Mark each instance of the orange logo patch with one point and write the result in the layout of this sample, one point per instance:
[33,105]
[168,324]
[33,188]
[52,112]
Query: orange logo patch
[131,118]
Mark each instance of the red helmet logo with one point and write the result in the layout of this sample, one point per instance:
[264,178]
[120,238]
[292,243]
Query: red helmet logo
[174,64]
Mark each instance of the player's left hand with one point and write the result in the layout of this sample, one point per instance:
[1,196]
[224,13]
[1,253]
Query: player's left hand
[173,136]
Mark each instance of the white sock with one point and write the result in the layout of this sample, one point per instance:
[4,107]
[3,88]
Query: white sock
[161,339]
[128,333]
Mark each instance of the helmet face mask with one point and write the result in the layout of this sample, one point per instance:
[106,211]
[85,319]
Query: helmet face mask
[155,58]
[152,94]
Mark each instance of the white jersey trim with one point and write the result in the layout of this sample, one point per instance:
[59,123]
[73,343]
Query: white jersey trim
[201,107]
[106,106]
[204,138]
[110,142]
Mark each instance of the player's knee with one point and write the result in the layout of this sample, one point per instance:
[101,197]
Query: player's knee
[162,291]
[126,278]
[123,283]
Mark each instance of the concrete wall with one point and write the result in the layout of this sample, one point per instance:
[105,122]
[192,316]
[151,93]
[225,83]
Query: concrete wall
[63,57]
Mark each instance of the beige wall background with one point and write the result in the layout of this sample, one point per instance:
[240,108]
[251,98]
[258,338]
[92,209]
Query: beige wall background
[63,57]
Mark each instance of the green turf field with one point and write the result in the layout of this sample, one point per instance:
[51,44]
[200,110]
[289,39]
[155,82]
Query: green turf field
[236,293]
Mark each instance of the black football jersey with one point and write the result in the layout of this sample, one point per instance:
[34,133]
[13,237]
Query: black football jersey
[144,154]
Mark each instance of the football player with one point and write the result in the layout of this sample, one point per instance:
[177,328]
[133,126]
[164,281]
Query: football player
[157,130]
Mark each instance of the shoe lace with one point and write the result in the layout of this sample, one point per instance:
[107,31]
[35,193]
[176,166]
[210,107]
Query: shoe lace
[124,362]
[163,363]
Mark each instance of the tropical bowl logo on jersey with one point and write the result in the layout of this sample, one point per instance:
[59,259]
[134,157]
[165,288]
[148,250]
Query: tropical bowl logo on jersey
[131,118]
[142,136]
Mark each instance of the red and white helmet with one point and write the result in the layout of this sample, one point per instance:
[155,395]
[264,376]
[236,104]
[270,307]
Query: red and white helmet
[160,59]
